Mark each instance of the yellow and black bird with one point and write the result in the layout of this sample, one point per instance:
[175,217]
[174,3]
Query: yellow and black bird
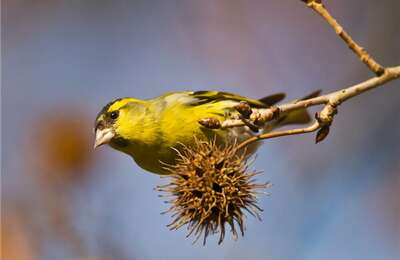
[151,130]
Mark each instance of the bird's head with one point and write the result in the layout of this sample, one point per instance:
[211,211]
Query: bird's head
[115,121]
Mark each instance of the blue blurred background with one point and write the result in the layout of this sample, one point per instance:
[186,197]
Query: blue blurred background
[62,60]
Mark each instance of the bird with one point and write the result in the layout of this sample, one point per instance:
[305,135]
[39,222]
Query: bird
[151,131]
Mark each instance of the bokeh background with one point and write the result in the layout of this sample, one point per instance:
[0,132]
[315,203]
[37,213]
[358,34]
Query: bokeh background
[62,60]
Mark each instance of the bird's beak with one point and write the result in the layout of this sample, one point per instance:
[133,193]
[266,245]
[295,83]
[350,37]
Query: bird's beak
[103,136]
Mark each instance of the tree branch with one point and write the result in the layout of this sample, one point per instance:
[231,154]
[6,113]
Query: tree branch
[315,126]
[324,117]
[330,102]
[364,56]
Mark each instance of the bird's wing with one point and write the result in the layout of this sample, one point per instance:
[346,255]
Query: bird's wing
[195,98]
[204,97]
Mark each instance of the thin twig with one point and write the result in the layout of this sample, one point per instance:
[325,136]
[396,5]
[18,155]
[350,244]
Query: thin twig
[364,56]
[313,127]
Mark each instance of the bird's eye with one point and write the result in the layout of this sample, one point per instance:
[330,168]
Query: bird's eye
[114,114]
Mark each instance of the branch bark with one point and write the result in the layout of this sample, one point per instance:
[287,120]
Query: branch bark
[325,117]
[364,56]
[329,101]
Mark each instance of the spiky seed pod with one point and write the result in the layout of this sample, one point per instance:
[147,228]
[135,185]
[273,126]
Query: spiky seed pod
[210,186]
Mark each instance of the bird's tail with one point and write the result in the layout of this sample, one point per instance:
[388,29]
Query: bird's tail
[301,116]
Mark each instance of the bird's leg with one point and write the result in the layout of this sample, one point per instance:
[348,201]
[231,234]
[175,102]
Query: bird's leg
[247,116]
[245,112]
[253,127]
